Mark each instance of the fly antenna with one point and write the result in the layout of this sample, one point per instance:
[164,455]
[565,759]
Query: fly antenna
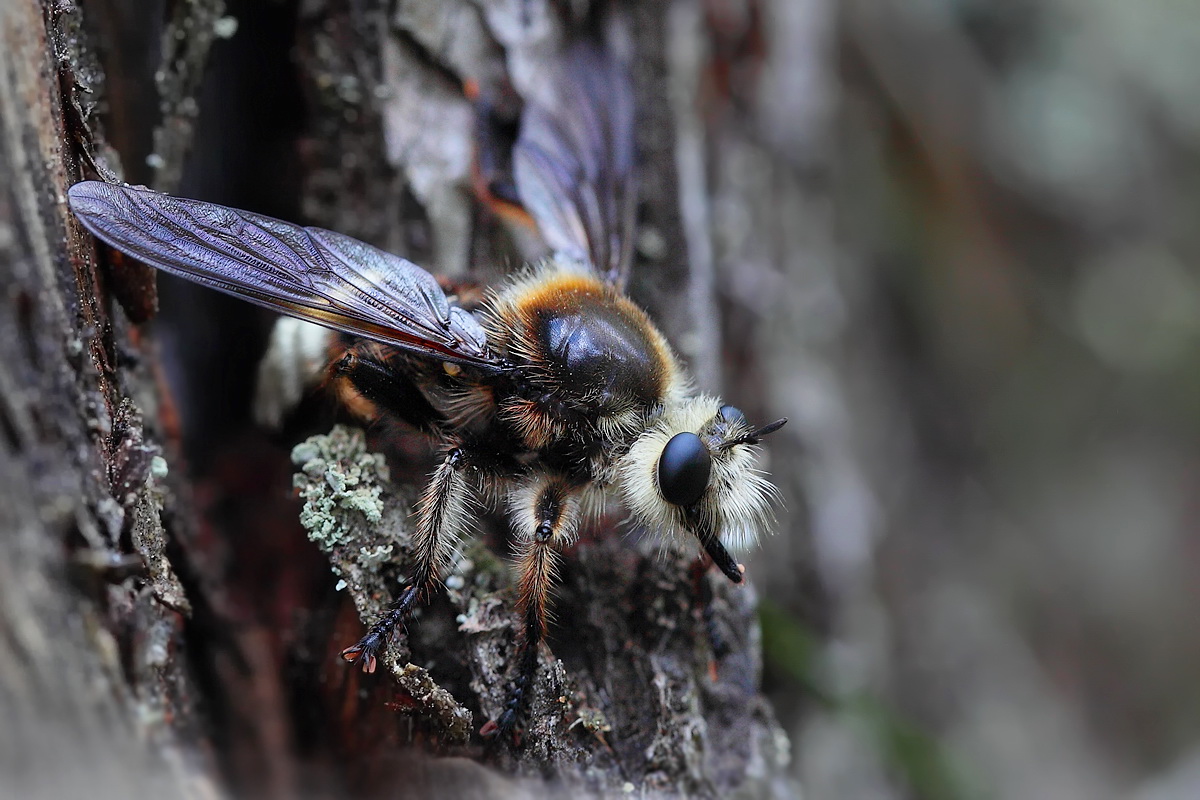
[756,436]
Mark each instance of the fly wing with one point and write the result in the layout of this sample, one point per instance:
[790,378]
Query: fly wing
[310,273]
[574,161]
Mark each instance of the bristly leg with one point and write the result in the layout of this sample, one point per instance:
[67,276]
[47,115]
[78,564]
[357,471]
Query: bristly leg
[505,724]
[545,522]
[440,515]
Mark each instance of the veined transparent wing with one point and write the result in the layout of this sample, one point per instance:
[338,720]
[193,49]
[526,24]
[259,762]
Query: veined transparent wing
[310,273]
[574,163]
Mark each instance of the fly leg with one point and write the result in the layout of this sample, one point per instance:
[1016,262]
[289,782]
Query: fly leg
[386,385]
[546,516]
[440,515]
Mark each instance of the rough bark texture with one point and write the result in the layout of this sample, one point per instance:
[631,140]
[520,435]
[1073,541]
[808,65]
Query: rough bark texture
[227,679]
[96,695]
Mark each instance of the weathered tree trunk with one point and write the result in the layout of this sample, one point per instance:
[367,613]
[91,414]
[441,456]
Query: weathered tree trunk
[94,696]
[120,678]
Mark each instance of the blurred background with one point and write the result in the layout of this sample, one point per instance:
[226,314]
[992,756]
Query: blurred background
[952,240]
[984,215]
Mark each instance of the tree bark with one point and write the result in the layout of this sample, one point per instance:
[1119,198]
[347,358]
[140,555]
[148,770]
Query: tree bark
[91,614]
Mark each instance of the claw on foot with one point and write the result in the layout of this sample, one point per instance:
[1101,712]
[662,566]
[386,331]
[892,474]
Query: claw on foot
[362,654]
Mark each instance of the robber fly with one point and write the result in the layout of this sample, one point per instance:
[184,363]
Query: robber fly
[556,392]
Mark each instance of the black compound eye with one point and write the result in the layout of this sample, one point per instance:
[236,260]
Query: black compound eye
[733,416]
[683,469]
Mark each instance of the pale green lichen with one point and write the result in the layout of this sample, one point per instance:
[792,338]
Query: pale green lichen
[158,468]
[338,479]
[354,514]
[374,557]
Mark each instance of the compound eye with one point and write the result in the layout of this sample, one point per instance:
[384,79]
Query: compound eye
[683,469]
[733,416]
